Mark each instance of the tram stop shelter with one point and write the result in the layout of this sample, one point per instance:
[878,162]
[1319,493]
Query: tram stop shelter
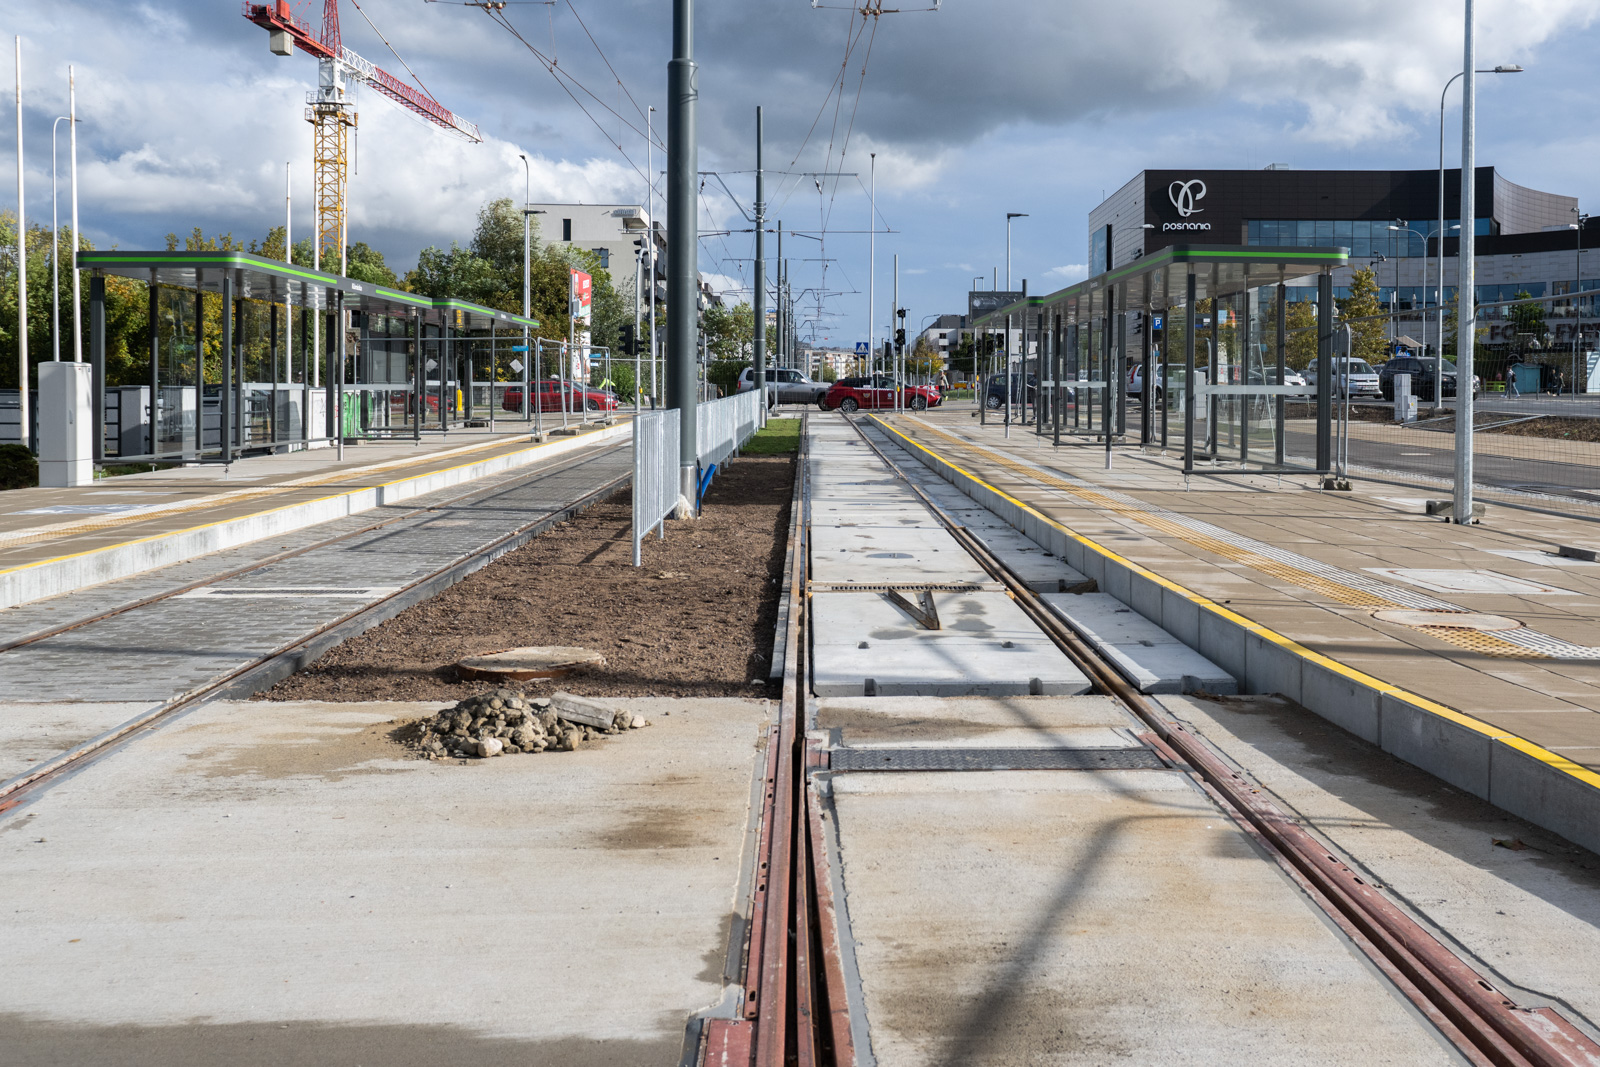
[1218,374]
[249,354]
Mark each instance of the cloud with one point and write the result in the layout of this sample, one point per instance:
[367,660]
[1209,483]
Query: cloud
[1066,275]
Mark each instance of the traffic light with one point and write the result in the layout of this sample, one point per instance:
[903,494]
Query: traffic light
[900,338]
[630,343]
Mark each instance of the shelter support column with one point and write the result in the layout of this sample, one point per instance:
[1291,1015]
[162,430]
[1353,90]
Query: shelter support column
[1324,372]
[1282,352]
[1188,375]
[97,362]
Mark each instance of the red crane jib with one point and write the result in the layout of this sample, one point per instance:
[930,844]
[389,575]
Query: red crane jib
[277,16]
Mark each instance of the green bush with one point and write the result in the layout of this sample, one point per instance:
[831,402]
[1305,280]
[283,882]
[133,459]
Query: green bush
[18,468]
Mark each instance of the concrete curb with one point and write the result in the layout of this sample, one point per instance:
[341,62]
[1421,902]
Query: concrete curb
[1506,770]
[64,574]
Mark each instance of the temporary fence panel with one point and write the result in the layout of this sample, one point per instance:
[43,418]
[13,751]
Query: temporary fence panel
[725,425]
[655,472]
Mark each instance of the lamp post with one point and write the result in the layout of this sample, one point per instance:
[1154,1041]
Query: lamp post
[1503,68]
[1007,346]
[1438,348]
[1466,280]
[55,247]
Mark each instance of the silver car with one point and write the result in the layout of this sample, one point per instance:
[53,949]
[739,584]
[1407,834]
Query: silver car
[784,386]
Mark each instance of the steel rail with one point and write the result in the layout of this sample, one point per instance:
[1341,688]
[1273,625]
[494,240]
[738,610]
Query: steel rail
[1484,1023]
[35,780]
[279,557]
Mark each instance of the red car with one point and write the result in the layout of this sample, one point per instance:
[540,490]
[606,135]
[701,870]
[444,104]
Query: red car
[550,392]
[854,394]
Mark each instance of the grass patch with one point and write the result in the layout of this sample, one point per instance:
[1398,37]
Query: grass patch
[780,437]
[116,470]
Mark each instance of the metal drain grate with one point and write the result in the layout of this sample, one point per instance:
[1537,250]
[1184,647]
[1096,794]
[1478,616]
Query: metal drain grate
[995,759]
[285,592]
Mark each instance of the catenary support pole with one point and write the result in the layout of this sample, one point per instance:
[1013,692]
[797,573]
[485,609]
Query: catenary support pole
[682,253]
[155,358]
[758,354]
[1466,280]
[872,260]
[22,275]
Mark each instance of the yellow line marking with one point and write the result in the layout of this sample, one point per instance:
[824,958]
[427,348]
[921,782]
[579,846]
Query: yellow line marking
[299,503]
[1492,733]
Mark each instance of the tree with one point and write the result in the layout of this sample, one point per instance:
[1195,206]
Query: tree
[1368,336]
[924,360]
[1527,318]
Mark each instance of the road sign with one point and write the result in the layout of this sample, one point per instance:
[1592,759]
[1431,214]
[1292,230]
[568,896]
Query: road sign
[519,348]
[863,347]
[1155,322]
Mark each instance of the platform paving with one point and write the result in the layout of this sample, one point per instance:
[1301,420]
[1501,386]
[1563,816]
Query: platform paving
[54,541]
[278,884]
[1309,566]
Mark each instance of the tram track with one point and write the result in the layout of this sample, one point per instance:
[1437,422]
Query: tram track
[1483,1023]
[263,670]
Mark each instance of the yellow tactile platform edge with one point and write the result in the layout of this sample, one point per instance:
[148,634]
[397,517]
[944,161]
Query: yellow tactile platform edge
[1478,726]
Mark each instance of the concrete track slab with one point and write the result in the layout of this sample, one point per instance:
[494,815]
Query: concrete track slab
[1014,918]
[272,884]
[917,720]
[880,556]
[986,647]
[1153,659]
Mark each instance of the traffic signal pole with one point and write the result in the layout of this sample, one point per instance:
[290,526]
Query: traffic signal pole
[683,249]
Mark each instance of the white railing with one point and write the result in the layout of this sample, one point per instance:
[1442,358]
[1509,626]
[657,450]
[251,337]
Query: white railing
[725,425]
[722,428]
[655,472]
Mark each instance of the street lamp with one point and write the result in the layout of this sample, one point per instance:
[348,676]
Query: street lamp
[1503,68]
[1438,349]
[1009,216]
[55,245]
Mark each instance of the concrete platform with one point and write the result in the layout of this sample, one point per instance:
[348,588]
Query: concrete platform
[1271,583]
[268,884]
[1146,654]
[863,645]
[54,541]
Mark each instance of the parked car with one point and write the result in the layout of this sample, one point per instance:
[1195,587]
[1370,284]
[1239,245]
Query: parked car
[995,396]
[1354,378]
[1136,382]
[1421,370]
[554,394]
[875,393]
[784,386]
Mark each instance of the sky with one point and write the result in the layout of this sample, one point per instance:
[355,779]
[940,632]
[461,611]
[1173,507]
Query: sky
[979,108]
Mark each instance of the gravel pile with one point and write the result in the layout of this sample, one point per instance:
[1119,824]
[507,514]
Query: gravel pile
[508,721]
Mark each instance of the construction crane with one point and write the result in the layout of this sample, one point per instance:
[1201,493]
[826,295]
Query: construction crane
[331,115]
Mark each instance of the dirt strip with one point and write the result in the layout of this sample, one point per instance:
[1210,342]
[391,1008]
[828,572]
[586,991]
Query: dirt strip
[696,620]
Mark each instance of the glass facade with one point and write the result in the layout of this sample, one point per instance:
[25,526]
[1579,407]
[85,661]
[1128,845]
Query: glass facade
[1361,236]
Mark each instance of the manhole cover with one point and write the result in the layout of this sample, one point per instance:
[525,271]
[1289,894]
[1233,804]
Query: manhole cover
[1454,620]
[523,664]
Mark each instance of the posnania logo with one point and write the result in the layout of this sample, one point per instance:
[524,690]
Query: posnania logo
[1183,196]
